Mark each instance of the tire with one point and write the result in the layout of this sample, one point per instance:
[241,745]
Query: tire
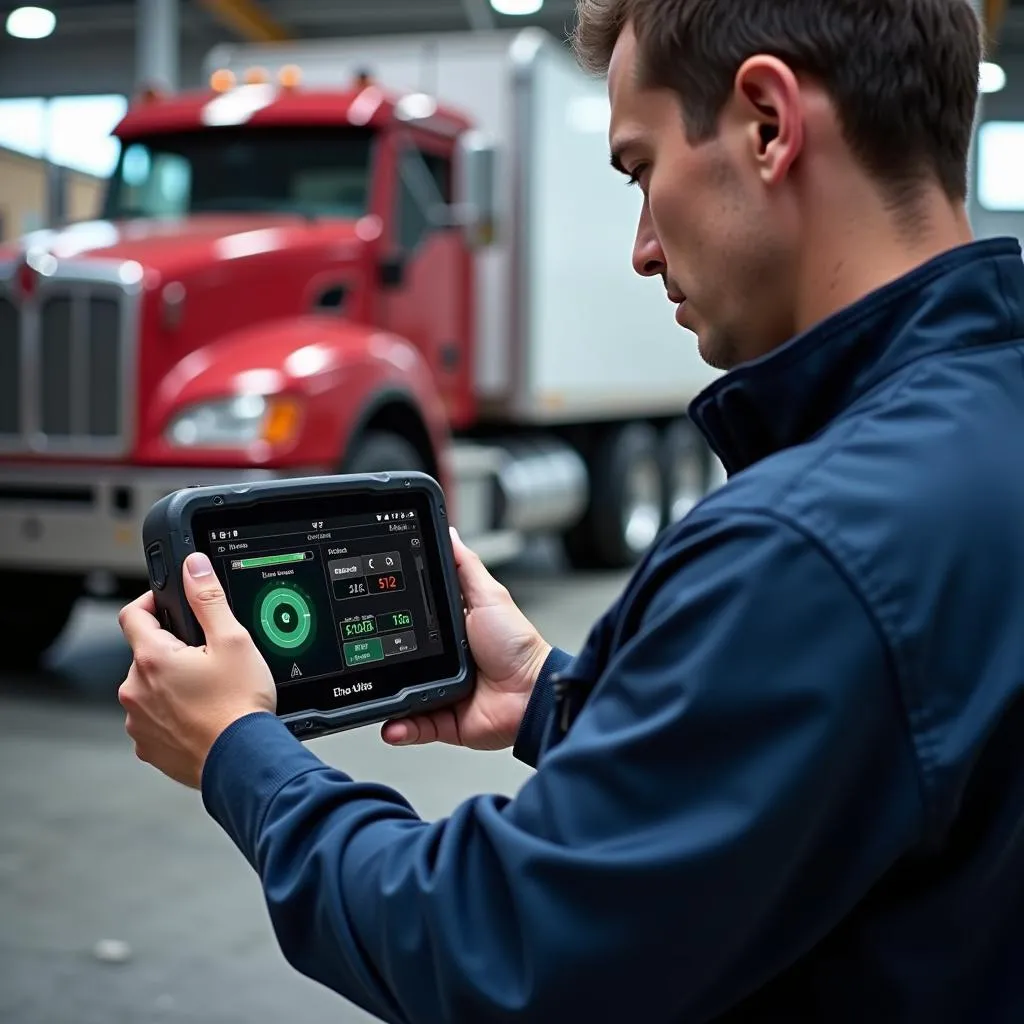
[379,451]
[34,609]
[685,467]
[627,501]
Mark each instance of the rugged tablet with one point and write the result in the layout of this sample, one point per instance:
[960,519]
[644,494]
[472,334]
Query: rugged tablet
[347,585]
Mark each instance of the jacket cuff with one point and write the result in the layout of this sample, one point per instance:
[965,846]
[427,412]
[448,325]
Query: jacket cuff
[251,761]
[539,709]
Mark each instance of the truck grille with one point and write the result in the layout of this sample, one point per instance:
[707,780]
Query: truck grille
[63,367]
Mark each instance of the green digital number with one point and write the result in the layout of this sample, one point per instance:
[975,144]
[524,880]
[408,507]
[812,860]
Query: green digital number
[363,628]
[387,621]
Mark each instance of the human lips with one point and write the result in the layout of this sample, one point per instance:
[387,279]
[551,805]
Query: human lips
[678,299]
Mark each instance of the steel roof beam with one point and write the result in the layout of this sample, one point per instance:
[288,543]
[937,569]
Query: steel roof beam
[248,19]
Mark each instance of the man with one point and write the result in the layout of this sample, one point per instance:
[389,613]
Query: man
[782,781]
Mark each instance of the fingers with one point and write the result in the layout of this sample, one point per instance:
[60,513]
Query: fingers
[138,620]
[127,690]
[207,599]
[479,587]
[441,727]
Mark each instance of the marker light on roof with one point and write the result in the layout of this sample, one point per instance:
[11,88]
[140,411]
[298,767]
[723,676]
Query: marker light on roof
[222,80]
[290,76]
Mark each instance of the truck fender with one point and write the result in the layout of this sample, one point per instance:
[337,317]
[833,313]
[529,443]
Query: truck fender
[341,373]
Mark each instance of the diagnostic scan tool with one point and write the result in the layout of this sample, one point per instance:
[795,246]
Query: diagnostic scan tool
[347,585]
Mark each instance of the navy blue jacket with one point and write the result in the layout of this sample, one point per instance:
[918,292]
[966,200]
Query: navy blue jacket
[784,778]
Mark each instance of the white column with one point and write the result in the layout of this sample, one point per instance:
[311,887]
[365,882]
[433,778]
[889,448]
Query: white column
[157,43]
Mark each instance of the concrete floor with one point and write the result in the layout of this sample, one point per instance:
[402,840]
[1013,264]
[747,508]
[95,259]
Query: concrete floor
[96,846]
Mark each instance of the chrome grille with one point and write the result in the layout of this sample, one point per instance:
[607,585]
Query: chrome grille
[104,384]
[64,365]
[55,370]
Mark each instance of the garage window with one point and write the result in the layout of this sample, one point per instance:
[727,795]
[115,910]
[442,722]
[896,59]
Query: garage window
[72,131]
[1001,165]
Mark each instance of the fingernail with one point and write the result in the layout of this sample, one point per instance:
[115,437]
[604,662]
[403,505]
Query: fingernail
[455,535]
[400,734]
[198,565]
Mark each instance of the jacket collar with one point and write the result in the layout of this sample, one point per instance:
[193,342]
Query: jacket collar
[971,295]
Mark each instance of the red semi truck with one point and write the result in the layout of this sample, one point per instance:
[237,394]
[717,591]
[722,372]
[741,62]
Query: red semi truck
[358,255]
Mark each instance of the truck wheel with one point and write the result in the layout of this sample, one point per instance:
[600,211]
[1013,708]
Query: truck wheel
[685,467]
[379,451]
[34,609]
[627,501]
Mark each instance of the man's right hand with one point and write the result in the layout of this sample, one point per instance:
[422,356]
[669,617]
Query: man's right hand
[509,654]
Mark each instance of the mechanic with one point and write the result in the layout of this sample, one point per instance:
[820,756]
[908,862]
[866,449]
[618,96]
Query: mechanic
[782,781]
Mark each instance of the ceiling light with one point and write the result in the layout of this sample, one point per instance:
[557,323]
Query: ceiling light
[517,7]
[992,78]
[31,23]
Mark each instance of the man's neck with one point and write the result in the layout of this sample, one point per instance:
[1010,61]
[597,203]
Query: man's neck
[861,247]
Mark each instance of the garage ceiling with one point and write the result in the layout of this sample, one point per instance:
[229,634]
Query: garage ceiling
[93,49]
[306,18]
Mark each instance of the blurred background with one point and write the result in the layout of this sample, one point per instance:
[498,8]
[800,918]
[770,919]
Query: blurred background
[242,240]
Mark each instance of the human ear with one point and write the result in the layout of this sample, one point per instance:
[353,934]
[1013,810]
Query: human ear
[768,96]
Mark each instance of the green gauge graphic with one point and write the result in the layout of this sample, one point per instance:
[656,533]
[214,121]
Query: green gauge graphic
[285,618]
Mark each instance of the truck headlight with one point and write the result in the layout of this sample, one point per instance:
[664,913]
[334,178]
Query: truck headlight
[236,422]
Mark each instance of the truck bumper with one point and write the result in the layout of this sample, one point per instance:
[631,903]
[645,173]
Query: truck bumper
[86,521]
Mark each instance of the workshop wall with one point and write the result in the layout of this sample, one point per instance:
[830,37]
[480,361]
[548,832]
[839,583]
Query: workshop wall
[23,198]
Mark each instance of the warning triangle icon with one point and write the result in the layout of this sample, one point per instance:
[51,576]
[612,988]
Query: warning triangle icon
[296,672]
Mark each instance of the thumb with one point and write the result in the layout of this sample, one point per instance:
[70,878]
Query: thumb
[206,597]
[479,587]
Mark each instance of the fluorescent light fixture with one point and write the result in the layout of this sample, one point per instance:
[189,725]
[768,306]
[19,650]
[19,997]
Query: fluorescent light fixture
[31,23]
[517,8]
[991,77]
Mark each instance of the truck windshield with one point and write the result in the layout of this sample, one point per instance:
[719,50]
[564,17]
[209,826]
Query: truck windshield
[308,171]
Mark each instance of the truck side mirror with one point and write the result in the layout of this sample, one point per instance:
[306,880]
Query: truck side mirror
[477,206]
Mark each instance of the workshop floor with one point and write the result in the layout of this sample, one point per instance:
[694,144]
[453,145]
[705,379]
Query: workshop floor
[121,901]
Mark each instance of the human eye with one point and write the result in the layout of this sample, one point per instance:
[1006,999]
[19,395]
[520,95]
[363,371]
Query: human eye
[635,177]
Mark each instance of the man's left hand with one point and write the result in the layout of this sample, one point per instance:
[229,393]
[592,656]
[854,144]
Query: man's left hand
[179,699]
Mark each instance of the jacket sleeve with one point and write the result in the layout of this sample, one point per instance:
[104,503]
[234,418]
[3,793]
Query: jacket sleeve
[738,779]
[539,709]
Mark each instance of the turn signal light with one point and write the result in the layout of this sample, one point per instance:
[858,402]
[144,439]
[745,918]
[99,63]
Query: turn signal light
[281,424]
[256,76]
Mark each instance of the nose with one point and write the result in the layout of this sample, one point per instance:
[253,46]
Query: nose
[648,257]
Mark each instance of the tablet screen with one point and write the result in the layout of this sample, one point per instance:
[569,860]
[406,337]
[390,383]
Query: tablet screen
[344,596]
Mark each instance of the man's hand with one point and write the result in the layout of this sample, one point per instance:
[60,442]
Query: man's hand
[179,699]
[509,654]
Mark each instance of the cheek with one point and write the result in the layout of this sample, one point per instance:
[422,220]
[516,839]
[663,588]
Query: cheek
[672,216]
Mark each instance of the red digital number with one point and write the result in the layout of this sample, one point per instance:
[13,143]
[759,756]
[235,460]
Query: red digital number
[387,582]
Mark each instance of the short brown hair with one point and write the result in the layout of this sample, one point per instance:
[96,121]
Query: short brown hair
[903,74]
